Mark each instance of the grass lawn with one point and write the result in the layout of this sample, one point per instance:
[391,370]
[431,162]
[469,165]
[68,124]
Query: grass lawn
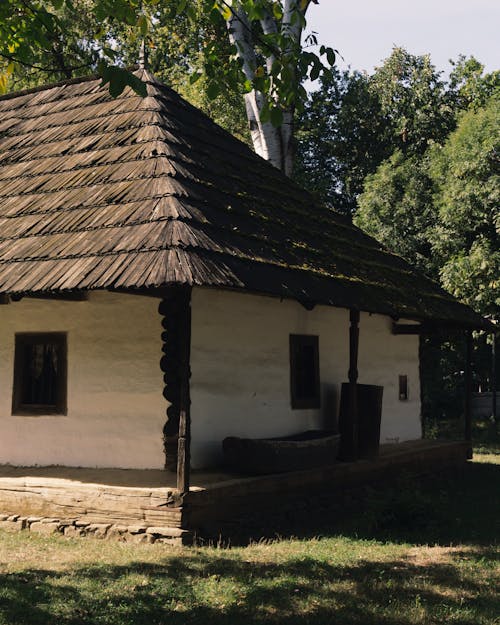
[408,553]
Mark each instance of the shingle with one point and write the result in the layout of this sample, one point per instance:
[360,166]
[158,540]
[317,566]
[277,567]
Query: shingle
[97,192]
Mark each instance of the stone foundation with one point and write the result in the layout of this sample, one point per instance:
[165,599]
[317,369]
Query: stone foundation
[74,528]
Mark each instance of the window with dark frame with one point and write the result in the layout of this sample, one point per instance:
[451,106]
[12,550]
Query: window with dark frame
[403,388]
[40,374]
[304,371]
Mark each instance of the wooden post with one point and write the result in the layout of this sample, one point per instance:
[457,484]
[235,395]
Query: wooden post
[494,380]
[353,378]
[468,392]
[175,364]
[184,444]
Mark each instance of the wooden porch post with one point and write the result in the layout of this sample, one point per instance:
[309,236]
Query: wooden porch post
[175,364]
[468,392]
[353,378]
[494,379]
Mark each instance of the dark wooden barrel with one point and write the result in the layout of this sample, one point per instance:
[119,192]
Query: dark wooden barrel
[369,417]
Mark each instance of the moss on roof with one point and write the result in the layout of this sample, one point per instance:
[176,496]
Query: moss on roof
[137,192]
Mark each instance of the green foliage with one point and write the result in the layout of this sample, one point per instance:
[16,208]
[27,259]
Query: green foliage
[356,121]
[341,137]
[469,85]
[466,240]
[61,37]
[414,100]
[396,208]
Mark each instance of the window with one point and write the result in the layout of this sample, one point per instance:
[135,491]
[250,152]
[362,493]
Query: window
[403,387]
[40,374]
[304,371]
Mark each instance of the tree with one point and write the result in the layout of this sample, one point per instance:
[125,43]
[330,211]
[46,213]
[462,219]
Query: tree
[466,240]
[396,207]
[265,58]
[341,137]
[356,121]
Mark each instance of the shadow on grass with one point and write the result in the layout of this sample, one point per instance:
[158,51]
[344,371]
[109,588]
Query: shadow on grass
[451,508]
[219,587]
[204,588]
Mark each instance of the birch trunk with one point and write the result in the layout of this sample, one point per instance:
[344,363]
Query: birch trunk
[273,144]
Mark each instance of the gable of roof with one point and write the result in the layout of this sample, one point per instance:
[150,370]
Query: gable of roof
[133,193]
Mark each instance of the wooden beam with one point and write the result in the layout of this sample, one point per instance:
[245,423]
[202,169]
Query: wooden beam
[468,392]
[175,364]
[70,296]
[352,443]
[407,328]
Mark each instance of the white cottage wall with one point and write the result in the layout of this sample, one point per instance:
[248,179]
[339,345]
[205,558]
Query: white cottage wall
[383,357]
[116,410]
[240,384]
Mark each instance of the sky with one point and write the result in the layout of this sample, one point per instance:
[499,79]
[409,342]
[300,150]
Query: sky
[364,31]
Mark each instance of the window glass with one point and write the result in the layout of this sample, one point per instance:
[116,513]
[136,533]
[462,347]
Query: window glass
[40,373]
[304,371]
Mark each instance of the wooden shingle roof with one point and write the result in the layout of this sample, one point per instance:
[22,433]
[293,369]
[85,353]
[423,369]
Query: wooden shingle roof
[134,193]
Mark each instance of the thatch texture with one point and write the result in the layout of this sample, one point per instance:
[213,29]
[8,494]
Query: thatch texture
[135,193]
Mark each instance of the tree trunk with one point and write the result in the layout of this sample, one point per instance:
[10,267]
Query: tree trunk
[275,144]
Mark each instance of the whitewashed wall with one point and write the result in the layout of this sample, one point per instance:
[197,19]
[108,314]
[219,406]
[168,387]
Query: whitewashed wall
[240,381]
[116,410]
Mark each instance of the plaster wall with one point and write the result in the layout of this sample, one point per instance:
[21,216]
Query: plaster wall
[240,384]
[116,410]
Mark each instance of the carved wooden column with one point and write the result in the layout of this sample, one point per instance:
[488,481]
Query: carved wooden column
[468,392]
[175,308]
[352,446]
[494,339]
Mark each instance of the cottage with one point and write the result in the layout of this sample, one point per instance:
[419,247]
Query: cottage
[165,288]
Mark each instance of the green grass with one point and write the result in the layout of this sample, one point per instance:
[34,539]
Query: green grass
[410,553]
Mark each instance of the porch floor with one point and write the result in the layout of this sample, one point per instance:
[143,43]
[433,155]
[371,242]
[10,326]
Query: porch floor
[145,496]
[160,480]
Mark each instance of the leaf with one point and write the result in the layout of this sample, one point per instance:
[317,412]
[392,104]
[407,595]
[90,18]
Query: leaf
[194,77]
[119,78]
[277,11]
[225,11]
[315,71]
[142,24]
[276,116]
[4,79]
[213,90]
[259,72]
[331,56]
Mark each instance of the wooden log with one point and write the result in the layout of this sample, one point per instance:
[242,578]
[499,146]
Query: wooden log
[175,364]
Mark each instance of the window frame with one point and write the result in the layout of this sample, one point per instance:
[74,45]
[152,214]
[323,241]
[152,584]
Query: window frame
[59,339]
[297,341]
